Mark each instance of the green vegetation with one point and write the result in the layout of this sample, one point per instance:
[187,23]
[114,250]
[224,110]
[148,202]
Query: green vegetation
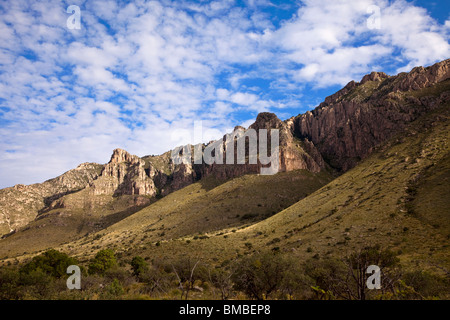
[104,260]
[262,275]
[139,266]
[52,262]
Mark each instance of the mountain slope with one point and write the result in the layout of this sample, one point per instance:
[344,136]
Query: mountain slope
[202,207]
[21,204]
[388,199]
[345,129]
[350,123]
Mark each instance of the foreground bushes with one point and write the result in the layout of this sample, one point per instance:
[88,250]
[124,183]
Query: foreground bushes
[263,275]
[52,263]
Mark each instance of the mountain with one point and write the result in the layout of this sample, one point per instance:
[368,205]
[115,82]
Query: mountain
[20,204]
[396,198]
[368,162]
[348,124]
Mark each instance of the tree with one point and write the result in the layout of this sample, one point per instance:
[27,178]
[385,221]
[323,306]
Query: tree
[221,279]
[51,262]
[139,266]
[357,264]
[104,260]
[328,276]
[184,269]
[346,278]
[261,275]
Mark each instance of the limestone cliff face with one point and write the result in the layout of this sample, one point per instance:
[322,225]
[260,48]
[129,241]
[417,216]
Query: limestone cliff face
[348,124]
[125,174]
[293,154]
[21,204]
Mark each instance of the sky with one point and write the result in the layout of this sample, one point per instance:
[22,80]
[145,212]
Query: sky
[81,78]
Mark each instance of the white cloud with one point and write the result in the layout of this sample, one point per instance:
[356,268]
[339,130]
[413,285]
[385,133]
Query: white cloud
[334,44]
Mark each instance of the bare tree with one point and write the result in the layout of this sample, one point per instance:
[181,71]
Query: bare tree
[185,273]
[357,264]
[221,279]
[347,278]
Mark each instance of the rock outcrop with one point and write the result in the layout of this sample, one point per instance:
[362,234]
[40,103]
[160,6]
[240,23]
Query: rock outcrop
[294,153]
[348,124]
[125,174]
[21,204]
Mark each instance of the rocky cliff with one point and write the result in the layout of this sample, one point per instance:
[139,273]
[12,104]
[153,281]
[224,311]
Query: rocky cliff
[21,204]
[125,174]
[349,123]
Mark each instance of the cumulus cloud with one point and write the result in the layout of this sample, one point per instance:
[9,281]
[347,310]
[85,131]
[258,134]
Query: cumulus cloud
[137,71]
[334,42]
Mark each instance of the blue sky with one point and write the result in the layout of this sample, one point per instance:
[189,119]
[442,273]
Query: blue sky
[136,72]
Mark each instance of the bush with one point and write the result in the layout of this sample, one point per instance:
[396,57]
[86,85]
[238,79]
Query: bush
[261,275]
[52,262]
[115,288]
[187,271]
[428,285]
[346,278]
[9,284]
[248,245]
[249,216]
[139,266]
[104,260]
[36,284]
[220,278]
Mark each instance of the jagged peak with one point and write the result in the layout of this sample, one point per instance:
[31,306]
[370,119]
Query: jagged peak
[121,155]
[86,165]
[266,120]
[374,76]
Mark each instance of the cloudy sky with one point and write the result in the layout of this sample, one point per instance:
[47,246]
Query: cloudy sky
[133,73]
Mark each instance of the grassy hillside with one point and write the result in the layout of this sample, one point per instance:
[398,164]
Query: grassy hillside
[204,207]
[80,215]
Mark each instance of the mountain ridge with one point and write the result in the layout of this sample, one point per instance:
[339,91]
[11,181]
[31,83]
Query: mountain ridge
[335,136]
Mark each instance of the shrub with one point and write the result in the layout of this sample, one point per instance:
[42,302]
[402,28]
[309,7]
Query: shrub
[138,265]
[104,260]
[9,284]
[261,275]
[52,262]
[115,288]
[427,284]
